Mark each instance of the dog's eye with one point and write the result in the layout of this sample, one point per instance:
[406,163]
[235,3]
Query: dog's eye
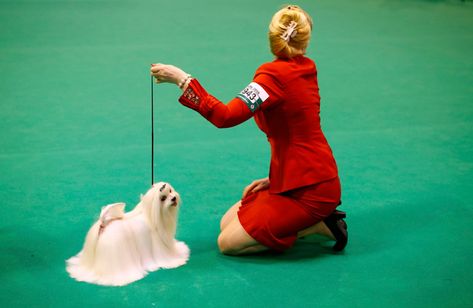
[163,198]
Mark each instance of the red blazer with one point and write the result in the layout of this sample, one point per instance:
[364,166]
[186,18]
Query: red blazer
[284,100]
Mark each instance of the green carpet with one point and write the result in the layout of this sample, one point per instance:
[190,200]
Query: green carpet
[396,82]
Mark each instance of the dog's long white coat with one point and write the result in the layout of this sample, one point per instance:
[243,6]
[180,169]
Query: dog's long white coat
[132,244]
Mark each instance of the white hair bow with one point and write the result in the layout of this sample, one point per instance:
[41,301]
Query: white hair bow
[290,31]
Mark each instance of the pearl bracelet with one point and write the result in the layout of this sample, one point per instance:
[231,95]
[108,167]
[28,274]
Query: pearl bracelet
[184,81]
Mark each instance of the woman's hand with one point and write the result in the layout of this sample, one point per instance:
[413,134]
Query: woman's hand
[168,73]
[255,186]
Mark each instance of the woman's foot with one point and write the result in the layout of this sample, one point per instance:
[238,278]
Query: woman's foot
[338,228]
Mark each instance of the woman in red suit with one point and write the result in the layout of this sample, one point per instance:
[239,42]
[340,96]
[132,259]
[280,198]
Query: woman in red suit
[302,191]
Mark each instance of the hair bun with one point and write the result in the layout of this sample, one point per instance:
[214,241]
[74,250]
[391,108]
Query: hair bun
[289,32]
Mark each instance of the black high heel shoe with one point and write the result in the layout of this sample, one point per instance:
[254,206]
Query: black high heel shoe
[338,227]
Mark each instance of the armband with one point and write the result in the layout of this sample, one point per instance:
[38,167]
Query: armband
[253,95]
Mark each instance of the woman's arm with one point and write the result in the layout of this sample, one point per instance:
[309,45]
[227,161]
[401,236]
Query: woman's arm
[196,97]
[219,114]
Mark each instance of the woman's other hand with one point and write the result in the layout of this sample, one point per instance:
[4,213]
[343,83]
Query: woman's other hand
[255,186]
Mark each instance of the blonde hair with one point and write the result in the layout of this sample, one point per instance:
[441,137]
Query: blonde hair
[295,20]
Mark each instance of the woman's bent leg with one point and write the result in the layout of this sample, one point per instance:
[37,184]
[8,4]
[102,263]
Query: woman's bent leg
[234,240]
[229,215]
[319,228]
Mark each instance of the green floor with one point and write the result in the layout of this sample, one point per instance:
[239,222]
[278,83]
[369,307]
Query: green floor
[396,82]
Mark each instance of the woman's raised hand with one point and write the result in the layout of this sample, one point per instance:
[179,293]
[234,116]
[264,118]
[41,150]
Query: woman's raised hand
[168,73]
[255,186]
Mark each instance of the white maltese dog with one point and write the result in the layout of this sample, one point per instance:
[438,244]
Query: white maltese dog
[123,247]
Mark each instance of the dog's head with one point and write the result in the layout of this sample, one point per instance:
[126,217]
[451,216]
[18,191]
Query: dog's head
[165,195]
[161,203]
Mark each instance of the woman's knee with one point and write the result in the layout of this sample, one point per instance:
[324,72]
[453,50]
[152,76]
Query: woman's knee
[224,244]
[233,239]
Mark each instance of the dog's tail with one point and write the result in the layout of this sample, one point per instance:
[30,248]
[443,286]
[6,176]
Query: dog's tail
[112,211]
[79,266]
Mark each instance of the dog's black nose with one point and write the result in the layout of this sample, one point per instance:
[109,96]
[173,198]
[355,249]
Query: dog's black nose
[173,199]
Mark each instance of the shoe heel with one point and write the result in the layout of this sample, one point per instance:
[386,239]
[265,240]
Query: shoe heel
[339,229]
[339,214]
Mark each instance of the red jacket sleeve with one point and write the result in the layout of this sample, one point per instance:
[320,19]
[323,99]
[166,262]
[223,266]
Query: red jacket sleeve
[261,93]
[268,77]
[216,112]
